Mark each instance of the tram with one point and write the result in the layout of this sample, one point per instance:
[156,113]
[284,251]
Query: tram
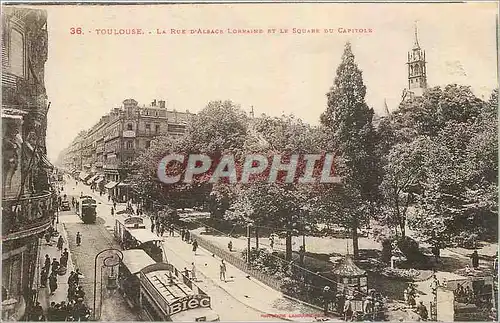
[160,292]
[86,210]
[131,233]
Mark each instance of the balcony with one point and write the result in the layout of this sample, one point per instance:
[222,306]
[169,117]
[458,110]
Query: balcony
[28,216]
[129,134]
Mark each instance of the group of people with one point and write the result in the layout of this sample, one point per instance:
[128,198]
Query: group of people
[410,295]
[372,305]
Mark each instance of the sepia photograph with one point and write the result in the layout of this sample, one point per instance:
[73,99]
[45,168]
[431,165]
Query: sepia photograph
[250,162]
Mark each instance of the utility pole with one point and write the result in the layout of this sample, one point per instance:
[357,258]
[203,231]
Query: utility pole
[248,243]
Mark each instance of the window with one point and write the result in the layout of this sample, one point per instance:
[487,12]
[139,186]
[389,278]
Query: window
[157,128]
[148,126]
[130,145]
[16,55]
[148,144]
[129,126]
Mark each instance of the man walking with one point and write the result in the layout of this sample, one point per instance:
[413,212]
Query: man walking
[171,229]
[222,273]
[53,283]
[60,243]
[195,246]
[193,272]
[78,239]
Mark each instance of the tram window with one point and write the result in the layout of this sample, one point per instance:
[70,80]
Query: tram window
[150,309]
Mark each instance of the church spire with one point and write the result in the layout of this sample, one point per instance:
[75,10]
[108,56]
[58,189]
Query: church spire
[416,44]
[417,72]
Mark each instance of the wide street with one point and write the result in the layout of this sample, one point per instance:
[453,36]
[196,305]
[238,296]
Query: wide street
[99,236]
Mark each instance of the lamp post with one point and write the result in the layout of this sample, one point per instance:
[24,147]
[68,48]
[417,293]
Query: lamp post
[248,242]
[114,258]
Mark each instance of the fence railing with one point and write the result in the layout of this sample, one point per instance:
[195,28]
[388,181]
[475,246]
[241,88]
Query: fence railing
[237,262]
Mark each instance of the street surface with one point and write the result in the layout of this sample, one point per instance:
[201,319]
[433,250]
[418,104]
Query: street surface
[100,236]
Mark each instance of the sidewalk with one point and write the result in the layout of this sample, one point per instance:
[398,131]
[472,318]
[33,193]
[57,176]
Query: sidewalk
[50,249]
[245,289]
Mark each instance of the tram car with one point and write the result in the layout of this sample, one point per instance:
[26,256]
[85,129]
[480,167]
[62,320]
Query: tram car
[87,209]
[131,233]
[160,292]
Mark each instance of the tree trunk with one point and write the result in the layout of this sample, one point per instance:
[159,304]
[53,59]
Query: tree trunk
[355,246]
[288,253]
[257,237]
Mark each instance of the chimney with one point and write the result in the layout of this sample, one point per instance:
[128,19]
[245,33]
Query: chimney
[162,104]
[153,103]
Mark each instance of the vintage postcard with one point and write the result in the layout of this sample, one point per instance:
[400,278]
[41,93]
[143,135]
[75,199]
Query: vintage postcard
[264,161]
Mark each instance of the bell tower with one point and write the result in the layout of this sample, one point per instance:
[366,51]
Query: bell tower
[417,72]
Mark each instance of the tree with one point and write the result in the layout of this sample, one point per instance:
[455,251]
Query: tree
[459,163]
[219,129]
[279,204]
[402,173]
[348,120]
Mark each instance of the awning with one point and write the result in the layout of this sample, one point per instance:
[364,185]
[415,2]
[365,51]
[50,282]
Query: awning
[111,185]
[90,180]
[100,179]
[83,176]
[97,178]
[123,184]
[45,162]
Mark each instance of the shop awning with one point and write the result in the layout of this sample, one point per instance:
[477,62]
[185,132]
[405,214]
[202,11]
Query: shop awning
[123,184]
[90,180]
[83,176]
[45,162]
[111,185]
[100,179]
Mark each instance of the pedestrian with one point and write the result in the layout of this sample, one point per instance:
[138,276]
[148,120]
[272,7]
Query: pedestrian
[230,246]
[183,234]
[186,272]
[302,253]
[436,252]
[422,311]
[53,283]
[271,241]
[78,239]
[51,312]
[348,309]
[171,229]
[112,211]
[66,253]
[60,243]
[193,272]
[195,246]
[47,263]
[326,299]
[37,313]
[55,265]
[222,272]
[475,259]
[44,275]
[162,230]
[152,227]
[188,236]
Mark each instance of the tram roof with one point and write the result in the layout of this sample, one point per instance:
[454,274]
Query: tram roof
[144,235]
[136,259]
[171,292]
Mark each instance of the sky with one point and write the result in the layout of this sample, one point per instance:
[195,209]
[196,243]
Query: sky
[89,74]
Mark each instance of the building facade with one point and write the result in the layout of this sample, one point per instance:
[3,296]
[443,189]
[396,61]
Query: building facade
[28,201]
[111,145]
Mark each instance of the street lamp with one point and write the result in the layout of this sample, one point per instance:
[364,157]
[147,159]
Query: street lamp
[248,242]
[115,257]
